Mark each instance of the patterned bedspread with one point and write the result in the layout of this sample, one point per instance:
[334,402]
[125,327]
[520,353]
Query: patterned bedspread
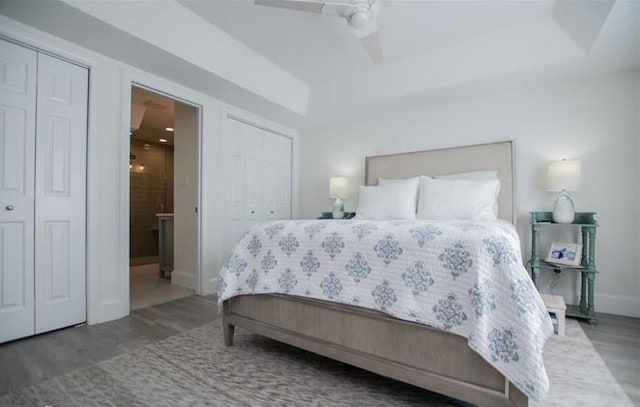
[463,277]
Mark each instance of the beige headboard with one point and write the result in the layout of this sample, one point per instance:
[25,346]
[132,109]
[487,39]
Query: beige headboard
[492,156]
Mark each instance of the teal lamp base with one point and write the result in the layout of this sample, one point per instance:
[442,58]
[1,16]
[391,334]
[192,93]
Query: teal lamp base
[564,210]
[338,209]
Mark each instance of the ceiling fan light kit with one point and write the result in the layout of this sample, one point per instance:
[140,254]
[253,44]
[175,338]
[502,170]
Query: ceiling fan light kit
[361,15]
[359,19]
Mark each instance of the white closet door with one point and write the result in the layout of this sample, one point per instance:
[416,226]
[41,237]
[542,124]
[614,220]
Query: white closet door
[254,177]
[235,141]
[283,178]
[60,194]
[269,174]
[17,143]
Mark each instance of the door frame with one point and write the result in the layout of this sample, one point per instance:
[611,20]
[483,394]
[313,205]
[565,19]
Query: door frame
[132,77]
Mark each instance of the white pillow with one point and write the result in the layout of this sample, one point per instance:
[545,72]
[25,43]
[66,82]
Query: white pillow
[395,200]
[458,199]
[473,175]
[414,182]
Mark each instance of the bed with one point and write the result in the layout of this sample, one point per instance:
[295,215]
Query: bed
[436,359]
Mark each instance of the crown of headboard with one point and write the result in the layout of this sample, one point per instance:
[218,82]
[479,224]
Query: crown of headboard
[492,156]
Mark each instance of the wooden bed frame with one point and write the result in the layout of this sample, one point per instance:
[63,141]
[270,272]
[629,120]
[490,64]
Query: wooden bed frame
[424,356]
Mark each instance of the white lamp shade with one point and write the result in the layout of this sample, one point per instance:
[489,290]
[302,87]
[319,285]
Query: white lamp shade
[338,187]
[564,175]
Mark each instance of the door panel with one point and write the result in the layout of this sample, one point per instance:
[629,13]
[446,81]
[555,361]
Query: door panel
[283,178]
[253,174]
[270,143]
[17,143]
[60,288]
[235,141]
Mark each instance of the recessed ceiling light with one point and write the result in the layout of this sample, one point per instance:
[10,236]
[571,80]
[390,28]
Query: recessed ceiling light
[169,128]
[162,140]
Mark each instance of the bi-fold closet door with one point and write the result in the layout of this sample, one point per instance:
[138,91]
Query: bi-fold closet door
[43,128]
[260,175]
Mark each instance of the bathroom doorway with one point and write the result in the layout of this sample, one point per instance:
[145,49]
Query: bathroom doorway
[164,190]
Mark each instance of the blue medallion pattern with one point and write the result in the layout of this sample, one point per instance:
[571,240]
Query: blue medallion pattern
[287,281]
[456,259]
[384,296]
[273,230]
[358,268]
[288,244]
[423,234]
[449,311]
[482,297]
[314,229]
[309,264]
[252,280]
[500,250]
[467,226]
[363,229]
[268,262]
[254,246]
[503,345]
[417,278]
[443,274]
[331,286]
[333,245]
[523,292]
[236,265]
[388,249]
[222,287]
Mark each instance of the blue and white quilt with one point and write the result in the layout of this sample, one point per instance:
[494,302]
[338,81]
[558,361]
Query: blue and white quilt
[461,276]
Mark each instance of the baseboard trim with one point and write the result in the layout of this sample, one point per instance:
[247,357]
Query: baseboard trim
[183,279]
[624,305]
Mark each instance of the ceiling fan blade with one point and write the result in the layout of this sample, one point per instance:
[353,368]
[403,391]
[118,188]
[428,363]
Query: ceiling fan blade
[371,44]
[370,41]
[304,6]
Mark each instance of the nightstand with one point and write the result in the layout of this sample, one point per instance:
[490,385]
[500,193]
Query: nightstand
[329,215]
[587,223]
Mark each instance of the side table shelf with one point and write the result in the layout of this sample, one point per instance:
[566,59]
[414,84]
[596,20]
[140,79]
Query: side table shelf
[587,223]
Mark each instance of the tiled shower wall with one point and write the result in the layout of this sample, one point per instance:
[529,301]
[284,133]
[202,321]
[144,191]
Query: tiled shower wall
[151,193]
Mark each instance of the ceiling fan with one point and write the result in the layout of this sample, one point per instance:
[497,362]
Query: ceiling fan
[360,15]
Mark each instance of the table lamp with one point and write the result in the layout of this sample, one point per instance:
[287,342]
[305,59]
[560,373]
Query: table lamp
[564,176]
[338,190]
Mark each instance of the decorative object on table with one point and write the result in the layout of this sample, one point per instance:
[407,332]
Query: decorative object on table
[565,253]
[338,189]
[564,176]
[329,215]
[587,223]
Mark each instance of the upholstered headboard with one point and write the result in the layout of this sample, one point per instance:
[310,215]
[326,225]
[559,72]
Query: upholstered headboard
[492,156]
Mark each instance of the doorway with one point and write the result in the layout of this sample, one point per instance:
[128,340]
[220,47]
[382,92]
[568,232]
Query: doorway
[163,198]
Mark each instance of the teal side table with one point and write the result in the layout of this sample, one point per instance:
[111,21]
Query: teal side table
[587,223]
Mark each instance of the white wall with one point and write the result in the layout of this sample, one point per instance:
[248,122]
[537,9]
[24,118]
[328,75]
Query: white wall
[185,196]
[594,120]
[108,172]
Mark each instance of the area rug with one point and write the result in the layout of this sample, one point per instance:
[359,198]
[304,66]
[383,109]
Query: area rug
[196,369]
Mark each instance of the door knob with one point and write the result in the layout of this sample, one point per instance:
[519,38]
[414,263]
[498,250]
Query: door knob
[9,207]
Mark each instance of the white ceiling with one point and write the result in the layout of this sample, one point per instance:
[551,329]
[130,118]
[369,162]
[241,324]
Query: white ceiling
[308,70]
[432,48]
[315,47]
